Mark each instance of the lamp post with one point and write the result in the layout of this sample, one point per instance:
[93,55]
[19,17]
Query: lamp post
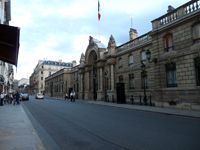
[148,55]
[94,77]
[143,74]
[83,88]
[105,75]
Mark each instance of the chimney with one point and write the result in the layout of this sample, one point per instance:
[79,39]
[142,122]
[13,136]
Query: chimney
[133,34]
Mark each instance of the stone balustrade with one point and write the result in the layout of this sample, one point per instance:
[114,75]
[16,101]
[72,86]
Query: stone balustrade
[139,40]
[179,12]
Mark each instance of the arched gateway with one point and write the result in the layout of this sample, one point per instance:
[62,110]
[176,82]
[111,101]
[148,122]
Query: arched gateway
[91,70]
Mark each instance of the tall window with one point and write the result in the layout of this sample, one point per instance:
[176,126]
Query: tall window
[41,78]
[41,72]
[144,81]
[168,43]
[42,66]
[120,63]
[171,75]
[41,85]
[196,33]
[120,79]
[131,81]
[49,72]
[197,68]
[49,67]
[144,58]
[131,60]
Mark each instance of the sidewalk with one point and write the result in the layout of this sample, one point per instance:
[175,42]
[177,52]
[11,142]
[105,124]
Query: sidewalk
[168,111]
[16,130]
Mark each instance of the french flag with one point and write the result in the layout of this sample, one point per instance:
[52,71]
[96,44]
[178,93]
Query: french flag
[99,15]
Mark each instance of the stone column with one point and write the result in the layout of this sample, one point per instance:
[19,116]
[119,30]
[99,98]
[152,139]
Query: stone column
[88,81]
[112,77]
[101,79]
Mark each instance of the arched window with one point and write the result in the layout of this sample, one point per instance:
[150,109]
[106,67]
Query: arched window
[168,43]
[171,75]
[131,81]
[120,64]
[130,60]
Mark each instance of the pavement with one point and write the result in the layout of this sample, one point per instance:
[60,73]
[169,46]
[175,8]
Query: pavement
[17,132]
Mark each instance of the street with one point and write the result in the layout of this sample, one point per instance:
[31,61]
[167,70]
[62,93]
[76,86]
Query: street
[77,125]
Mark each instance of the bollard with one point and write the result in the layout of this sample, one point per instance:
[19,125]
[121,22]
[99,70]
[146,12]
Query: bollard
[132,99]
[113,98]
[150,100]
[140,99]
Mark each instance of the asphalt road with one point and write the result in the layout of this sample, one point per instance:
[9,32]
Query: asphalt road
[80,126]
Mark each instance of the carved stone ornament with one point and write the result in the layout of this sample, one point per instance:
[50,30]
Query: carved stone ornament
[82,56]
[111,41]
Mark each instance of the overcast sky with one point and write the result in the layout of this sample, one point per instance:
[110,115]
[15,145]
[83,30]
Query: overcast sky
[60,29]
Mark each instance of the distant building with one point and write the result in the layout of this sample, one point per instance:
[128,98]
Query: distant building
[19,85]
[43,69]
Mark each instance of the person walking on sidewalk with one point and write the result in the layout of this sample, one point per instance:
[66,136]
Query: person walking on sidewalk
[66,96]
[11,98]
[17,98]
[72,96]
[2,96]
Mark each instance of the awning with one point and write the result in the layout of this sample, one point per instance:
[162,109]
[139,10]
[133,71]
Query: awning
[9,44]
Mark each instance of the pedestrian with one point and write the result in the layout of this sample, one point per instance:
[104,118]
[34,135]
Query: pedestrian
[66,96]
[5,98]
[72,96]
[11,98]
[17,98]
[2,96]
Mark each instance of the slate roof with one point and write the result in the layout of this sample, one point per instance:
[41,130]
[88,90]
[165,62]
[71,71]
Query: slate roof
[99,44]
[57,63]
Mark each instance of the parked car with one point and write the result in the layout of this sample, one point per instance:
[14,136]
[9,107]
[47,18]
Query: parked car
[39,96]
[24,97]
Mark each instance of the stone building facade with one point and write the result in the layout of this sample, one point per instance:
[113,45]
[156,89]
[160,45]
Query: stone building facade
[6,69]
[43,69]
[172,74]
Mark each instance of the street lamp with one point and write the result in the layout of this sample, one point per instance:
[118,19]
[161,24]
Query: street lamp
[94,77]
[148,55]
[83,88]
[143,74]
[105,75]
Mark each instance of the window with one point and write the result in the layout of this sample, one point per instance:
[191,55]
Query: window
[120,79]
[41,78]
[144,58]
[171,75]
[196,33]
[49,67]
[41,85]
[56,68]
[120,63]
[41,72]
[131,60]
[168,43]
[144,81]
[131,81]
[42,66]
[197,68]
[49,72]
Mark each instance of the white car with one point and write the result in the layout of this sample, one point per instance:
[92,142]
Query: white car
[39,96]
